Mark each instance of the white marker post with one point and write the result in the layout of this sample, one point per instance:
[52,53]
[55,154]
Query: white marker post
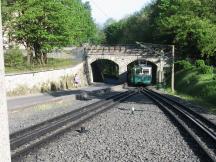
[4,131]
[132,110]
[173,70]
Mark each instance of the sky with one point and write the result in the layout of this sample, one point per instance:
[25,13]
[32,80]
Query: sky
[116,9]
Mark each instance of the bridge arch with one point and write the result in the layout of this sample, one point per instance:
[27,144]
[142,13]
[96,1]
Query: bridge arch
[125,55]
[105,70]
[122,62]
[148,63]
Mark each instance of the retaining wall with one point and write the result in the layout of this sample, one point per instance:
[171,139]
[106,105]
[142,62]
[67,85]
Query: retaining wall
[19,84]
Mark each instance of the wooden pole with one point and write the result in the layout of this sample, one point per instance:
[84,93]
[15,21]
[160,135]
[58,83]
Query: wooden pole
[173,70]
[4,131]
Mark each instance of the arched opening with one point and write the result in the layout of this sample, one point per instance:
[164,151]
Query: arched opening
[143,62]
[104,70]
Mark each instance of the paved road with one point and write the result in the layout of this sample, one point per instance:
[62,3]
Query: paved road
[24,101]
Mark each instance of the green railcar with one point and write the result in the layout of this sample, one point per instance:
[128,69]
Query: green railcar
[140,75]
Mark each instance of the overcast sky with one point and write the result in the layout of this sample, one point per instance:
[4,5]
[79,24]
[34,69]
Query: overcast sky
[117,9]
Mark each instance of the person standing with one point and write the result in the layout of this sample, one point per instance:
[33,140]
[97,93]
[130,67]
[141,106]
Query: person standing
[76,80]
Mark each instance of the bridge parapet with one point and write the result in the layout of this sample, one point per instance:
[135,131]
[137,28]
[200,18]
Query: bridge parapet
[145,50]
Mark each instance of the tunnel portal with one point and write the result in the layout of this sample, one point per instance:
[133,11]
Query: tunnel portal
[104,70]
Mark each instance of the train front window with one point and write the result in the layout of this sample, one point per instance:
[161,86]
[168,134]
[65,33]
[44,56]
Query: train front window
[145,71]
[138,71]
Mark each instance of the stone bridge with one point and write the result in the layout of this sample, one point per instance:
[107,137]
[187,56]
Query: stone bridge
[123,55]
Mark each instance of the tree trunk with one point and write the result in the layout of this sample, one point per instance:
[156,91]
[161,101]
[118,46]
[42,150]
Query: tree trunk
[37,58]
[45,58]
[42,58]
[28,59]
[39,61]
[4,133]
[29,56]
[38,54]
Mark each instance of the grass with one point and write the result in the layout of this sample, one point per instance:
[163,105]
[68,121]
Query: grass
[211,108]
[52,64]
[196,88]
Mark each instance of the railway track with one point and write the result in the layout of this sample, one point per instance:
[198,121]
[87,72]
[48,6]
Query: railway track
[24,140]
[202,130]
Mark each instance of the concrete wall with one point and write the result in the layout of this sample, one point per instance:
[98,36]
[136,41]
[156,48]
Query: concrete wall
[34,82]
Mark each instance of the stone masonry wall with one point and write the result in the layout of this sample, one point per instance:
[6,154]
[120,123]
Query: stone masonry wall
[122,61]
[160,55]
[20,84]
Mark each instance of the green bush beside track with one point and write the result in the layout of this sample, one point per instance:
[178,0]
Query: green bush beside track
[197,86]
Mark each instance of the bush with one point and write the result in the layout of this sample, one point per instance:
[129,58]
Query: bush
[13,57]
[183,65]
[199,63]
[206,69]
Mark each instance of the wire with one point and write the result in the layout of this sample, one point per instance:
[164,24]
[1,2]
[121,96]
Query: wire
[102,11]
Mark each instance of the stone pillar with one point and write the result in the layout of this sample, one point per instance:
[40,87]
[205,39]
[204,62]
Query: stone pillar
[122,74]
[158,76]
[161,71]
[87,70]
[161,76]
[4,131]
[90,73]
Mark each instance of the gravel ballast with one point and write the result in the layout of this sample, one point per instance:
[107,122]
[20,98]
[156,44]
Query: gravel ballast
[118,135]
[30,116]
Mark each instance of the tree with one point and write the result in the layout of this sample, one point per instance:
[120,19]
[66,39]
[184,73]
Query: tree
[87,6]
[98,37]
[6,12]
[42,25]
[189,24]
[133,28]
[109,22]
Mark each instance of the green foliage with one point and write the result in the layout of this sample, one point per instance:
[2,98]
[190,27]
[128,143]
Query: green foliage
[185,65]
[42,25]
[199,63]
[196,84]
[13,57]
[51,64]
[206,69]
[5,11]
[131,29]
[113,33]
[98,37]
[188,24]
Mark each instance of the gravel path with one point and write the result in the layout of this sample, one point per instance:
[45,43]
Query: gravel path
[36,114]
[119,136]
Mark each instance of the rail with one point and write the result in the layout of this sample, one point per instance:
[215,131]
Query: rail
[24,140]
[202,130]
